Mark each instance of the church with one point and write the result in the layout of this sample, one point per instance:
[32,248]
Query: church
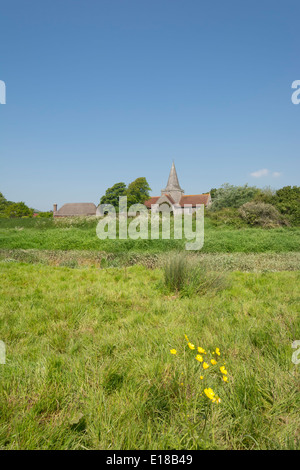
[173,199]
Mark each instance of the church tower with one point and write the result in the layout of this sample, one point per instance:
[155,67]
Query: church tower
[173,188]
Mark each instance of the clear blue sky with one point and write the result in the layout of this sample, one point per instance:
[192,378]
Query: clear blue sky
[102,91]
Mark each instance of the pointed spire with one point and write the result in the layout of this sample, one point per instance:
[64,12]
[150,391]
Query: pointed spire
[173,183]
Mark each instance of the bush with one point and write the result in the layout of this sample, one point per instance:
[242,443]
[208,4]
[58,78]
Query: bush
[45,215]
[228,216]
[233,196]
[261,215]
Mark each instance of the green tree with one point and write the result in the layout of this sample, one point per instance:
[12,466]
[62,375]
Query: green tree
[213,192]
[4,203]
[138,191]
[18,209]
[112,194]
[287,201]
[265,195]
[233,196]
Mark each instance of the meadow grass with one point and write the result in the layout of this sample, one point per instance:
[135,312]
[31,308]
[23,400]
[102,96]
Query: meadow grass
[252,262]
[80,234]
[88,362]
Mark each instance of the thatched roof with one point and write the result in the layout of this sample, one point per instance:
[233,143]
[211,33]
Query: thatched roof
[76,208]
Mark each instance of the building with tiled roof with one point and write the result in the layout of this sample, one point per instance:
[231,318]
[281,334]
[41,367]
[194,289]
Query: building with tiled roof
[74,209]
[174,200]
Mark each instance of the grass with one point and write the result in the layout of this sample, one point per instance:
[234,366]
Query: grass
[254,262]
[88,362]
[189,276]
[80,234]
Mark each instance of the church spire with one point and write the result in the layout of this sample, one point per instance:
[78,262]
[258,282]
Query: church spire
[173,183]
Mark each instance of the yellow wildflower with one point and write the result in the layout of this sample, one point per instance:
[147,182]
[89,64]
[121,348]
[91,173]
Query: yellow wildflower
[199,358]
[186,338]
[224,378]
[201,350]
[218,351]
[173,351]
[191,346]
[205,365]
[213,362]
[216,400]
[209,393]
[201,377]
[223,370]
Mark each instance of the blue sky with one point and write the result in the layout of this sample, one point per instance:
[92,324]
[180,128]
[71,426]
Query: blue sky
[102,91]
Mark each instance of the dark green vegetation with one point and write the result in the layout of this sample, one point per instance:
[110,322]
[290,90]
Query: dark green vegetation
[137,192]
[81,373]
[285,201]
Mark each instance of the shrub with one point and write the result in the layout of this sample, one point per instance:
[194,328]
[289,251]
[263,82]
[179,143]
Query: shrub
[45,215]
[233,196]
[261,214]
[227,216]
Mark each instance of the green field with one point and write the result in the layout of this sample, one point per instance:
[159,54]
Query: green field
[89,364]
[89,325]
[76,234]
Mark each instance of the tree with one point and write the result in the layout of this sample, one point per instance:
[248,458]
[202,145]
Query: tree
[265,195]
[213,192]
[112,194]
[4,203]
[287,201]
[138,191]
[18,209]
[233,196]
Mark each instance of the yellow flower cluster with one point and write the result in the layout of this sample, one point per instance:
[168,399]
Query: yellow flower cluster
[224,372]
[211,395]
[206,364]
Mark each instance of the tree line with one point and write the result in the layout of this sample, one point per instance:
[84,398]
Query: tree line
[230,204]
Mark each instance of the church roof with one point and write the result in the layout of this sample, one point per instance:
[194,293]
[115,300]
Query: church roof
[154,200]
[173,183]
[173,186]
[150,201]
[194,199]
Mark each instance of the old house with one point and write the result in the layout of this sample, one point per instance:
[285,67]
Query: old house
[73,209]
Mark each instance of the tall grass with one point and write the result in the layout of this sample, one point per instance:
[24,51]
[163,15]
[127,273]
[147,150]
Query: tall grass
[175,272]
[189,276]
